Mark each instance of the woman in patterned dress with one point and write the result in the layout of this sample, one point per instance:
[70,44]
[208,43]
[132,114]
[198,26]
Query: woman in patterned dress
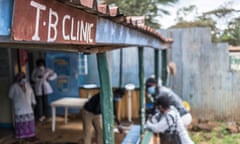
[23,99]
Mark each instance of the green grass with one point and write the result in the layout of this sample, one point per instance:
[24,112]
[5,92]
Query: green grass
[218,135]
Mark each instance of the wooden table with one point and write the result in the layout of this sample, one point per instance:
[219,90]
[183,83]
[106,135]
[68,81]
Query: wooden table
[65,102]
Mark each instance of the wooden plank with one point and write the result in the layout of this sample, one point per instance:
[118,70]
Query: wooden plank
[133,135]
[164,67]
[156,63]
[106,98]
[142,89]
[122,104]
[149,138]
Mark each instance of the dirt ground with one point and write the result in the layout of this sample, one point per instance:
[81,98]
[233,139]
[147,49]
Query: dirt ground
[202,132]
[70,133]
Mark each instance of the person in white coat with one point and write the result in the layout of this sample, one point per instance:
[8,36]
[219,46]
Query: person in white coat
[41,77]
[23,98]
[168,124]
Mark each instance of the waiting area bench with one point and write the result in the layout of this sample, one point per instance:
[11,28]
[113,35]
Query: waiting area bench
[133,135]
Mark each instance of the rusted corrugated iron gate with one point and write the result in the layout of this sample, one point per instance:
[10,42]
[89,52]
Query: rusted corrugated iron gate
[82,26]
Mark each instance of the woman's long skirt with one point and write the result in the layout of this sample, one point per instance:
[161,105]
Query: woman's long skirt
[25,126]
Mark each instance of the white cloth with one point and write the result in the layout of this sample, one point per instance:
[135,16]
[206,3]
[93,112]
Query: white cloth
[186,119]
[41,78]
[161,126]
[22,100]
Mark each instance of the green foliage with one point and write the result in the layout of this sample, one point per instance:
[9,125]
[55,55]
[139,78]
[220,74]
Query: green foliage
[147,8]
[232,33]
[222,12]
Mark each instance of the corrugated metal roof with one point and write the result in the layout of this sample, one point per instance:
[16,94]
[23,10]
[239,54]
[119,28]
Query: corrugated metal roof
[114,30]
[113,13]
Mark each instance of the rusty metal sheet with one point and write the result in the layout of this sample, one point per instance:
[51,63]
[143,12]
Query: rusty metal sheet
[52,21]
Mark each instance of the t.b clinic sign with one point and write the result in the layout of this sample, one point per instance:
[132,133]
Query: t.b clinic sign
[53,22]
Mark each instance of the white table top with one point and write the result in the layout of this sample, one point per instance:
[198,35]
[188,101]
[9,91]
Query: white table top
[69,102]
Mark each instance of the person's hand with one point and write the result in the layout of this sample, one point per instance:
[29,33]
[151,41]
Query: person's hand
[120,128]
[150,117]
[145,126]
[46,75]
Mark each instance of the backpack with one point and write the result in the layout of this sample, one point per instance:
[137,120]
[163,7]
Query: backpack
[171,135]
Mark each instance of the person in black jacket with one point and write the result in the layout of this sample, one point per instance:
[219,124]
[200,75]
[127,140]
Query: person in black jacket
[92,115]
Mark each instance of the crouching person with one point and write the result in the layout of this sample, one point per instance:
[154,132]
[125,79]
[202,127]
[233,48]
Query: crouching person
[156,90]
[92,116]
[168,124]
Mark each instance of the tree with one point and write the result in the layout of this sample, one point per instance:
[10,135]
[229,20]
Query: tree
[189,17]
[224,27]
[232,33]
[185,12]
[229,29]
[148,8]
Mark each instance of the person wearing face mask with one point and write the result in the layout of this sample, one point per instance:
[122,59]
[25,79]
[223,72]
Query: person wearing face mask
[41,77]
[170,126]
[156,90]
[23,98]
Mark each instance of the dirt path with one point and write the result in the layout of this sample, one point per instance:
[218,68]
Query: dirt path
[70,133]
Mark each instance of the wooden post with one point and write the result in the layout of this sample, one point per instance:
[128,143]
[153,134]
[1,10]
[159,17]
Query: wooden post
[142,90]
[120,68]
[164,67]
[156,63]
[106,98]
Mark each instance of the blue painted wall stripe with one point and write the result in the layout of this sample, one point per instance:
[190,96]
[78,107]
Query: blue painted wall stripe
[6,7]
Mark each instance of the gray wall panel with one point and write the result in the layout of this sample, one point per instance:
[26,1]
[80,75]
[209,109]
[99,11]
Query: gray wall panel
[207,83]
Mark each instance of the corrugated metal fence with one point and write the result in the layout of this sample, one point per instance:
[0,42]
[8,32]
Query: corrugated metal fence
[203,75]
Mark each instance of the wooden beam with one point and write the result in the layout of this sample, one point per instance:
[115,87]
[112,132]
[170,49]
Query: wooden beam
[106,98]
[164,67]
[142,89]
[156,63]
[120,68]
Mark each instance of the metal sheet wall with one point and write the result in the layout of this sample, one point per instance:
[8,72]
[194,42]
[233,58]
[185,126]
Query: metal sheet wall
[203,76]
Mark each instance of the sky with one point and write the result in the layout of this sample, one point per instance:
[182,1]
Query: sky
[202,6]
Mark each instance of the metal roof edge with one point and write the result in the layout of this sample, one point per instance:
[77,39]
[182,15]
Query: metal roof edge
[113,14]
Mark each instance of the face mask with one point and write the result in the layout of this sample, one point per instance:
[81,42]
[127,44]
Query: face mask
[23,81]
[151,90]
